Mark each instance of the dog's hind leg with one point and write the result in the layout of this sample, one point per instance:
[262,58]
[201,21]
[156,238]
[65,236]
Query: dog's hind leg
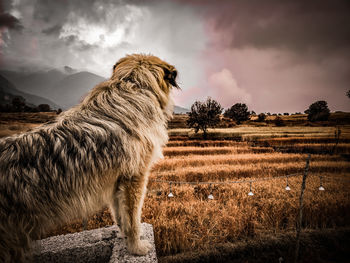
[127,205]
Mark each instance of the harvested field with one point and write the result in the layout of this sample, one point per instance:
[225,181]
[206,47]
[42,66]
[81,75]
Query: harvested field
[192,225]
[252,134]
[191,222]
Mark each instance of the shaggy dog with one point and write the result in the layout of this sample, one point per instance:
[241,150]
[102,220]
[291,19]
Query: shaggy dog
[98,153]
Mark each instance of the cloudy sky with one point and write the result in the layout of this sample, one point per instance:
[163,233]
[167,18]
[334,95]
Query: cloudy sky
[276,56]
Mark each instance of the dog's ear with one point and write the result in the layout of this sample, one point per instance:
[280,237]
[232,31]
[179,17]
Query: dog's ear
[170,76]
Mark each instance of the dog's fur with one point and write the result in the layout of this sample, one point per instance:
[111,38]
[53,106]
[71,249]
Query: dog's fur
[95,154]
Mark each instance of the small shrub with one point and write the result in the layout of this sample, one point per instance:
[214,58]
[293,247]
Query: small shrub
[44,108]
[278,121]
[261,117]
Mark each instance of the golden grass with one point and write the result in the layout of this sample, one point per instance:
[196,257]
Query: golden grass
[177,162]
[249,170]
[252,133]
[176,151]
[15,128]
[202,143]
[293,140]
[191,222]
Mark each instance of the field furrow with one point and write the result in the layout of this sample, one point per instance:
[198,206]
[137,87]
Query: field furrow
[173,163]
[249,170]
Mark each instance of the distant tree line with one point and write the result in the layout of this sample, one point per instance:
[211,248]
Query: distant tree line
[204,115]
[18,104]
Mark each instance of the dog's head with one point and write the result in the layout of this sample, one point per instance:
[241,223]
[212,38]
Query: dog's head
[147,72]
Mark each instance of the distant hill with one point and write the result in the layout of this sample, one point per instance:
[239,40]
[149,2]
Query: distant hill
[66,87]
[5,96]
[8,91]
[180,110]
[71,90]
[38,83]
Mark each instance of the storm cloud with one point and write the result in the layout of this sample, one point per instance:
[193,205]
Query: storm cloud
[276,56]
[9,21]
[285,54]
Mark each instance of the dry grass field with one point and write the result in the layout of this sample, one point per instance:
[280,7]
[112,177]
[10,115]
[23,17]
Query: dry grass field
[189,222]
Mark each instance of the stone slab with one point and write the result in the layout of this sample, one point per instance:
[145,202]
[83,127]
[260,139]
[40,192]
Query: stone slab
[98,245]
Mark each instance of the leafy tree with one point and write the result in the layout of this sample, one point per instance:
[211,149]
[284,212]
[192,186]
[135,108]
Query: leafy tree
[278,121]
[204,115]
[44,108]
[18,104]
[238,112]
[318,111]
[261,117]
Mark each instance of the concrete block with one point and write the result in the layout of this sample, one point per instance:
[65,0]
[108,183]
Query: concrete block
[103,245]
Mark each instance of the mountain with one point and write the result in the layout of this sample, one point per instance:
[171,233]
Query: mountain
[8,91]
[5,91]
[38,83]
[180,110]
[72,89]
[66,87]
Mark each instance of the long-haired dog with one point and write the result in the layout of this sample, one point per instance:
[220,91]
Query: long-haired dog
[98,153]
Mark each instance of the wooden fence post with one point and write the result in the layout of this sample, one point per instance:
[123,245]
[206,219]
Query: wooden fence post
[303,184]
[336,137]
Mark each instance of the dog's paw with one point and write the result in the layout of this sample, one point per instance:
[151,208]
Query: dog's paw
[140,248]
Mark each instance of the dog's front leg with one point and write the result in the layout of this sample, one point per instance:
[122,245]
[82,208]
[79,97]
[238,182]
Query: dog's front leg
[127,206]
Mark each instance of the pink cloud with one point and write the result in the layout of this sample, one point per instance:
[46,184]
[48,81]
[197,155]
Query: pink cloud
[185,98]
[225,88]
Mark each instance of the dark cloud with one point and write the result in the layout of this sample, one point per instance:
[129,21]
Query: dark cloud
[93,10]
[279,55]
[5,6]
[78,45]
[299,26]
[52,11]
[83,46]
[9,21]
[53,30]
[71,39]
[6,19]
